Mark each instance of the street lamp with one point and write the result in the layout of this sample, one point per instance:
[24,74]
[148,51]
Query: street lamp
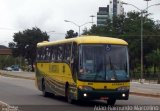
[141,11]
[147,3]
[79,26]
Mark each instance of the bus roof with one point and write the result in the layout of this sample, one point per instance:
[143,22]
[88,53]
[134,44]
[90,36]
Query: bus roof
[86,40]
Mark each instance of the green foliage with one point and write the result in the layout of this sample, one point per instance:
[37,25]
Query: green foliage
[71,34]
[6,61]
[154,59]
[25,43]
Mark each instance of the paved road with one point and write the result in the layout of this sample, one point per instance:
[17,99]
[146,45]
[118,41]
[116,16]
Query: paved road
[23,93]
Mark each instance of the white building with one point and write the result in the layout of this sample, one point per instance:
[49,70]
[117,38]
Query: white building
[115,8]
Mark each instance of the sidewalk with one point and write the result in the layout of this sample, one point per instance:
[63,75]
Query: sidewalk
[18,74]
[146,89]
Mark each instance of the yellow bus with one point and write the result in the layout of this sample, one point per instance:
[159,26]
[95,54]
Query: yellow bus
[84,68]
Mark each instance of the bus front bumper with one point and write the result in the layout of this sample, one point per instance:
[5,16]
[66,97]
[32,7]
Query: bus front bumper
[103,94]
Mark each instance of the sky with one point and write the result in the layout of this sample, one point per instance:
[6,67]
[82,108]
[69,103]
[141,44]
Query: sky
[49,15]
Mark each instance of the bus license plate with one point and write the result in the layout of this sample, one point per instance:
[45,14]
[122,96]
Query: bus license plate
[104,98]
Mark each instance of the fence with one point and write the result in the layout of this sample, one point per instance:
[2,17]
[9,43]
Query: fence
[149,77]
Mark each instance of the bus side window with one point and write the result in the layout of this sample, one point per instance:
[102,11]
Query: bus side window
[49,53]
[63,52]
[60,53]
[50,57]
[38,54]
[46,53]
[54,53]
[43,53]
[67,52]
[74,62]
[74,52]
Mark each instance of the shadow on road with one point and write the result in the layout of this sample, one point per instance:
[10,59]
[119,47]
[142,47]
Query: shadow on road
[88,103]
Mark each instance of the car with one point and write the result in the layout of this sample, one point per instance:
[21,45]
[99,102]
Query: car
[8,69]
[15,67]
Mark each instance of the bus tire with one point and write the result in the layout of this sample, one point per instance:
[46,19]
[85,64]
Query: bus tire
[111,102]
[68,95]
[45,94]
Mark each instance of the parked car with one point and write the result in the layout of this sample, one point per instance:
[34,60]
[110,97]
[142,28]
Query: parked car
[15,67]
[12,68]
[8,68]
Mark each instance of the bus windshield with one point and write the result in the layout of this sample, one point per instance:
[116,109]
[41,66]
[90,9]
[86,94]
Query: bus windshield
[103,63]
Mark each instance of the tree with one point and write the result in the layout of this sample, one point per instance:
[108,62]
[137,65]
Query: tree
[154,59]
[71,34]
[25,43]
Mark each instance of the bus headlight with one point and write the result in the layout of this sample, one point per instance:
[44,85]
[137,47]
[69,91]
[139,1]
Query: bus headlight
[85,88]
[123,88]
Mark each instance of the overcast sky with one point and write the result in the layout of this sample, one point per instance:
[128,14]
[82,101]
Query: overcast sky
[49,15]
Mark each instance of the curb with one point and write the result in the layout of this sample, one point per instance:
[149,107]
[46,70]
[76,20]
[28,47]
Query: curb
[144,94]
[14,76]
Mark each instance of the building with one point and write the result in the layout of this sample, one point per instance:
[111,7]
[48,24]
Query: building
[102,15]
[5,51]
[114,8]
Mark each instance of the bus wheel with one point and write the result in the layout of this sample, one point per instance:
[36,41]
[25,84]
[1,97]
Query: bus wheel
[111,102]
[45,94]
[68,95]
